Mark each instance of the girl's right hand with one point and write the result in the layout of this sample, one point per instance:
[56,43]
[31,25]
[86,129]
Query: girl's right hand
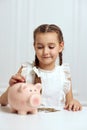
[16,78]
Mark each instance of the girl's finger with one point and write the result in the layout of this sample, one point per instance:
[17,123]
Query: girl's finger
[18,78]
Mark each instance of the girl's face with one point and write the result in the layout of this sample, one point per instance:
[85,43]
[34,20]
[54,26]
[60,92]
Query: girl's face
[47,48]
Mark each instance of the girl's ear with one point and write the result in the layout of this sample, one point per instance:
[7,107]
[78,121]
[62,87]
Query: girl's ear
[61,46]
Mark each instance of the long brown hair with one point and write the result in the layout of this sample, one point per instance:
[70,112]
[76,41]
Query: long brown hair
[44,28]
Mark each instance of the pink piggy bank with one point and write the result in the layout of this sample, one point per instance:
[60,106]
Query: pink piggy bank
[24,98]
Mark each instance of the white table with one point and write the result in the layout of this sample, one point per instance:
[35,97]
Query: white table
[61,120]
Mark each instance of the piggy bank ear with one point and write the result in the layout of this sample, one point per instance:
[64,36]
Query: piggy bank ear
[38,86]
[21,87]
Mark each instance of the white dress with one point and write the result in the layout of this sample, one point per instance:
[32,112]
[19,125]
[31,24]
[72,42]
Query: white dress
[55,84]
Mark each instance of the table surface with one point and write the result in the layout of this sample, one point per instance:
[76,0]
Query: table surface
[60,120]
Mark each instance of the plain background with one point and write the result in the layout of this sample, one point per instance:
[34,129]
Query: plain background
[18,19]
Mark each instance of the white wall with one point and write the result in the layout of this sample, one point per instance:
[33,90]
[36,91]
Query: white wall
[18,18]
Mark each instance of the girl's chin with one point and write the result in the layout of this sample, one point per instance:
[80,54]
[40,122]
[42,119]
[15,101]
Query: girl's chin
[46,62]
[47,65]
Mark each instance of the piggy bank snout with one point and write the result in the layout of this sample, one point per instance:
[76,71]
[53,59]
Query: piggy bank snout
[35,100]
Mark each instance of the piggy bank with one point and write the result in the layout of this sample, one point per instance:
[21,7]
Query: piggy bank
[24,98]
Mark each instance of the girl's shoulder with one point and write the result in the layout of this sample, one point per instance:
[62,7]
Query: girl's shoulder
[66,67]
[27,64]
[27,72]
[27,68]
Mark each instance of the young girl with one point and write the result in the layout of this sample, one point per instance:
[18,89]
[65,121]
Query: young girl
[54,77]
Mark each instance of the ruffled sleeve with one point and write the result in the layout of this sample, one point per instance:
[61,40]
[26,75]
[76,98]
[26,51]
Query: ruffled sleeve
[27,72]
[67,78]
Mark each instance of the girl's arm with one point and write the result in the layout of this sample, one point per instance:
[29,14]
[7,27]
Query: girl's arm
[71,103]
[14,79]
[3,98]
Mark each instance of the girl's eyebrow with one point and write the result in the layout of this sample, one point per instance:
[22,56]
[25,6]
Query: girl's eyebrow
[52,43]
[49,44]
[39,43]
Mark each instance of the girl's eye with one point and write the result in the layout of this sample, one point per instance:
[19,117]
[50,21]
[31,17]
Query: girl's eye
[51,47]
[40,47]
[35,90]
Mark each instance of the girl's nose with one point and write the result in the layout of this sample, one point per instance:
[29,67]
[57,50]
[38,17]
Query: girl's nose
[45,50]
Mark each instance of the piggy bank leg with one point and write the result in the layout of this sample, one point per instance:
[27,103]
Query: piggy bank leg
[22,112]
[13,110]
[34,111]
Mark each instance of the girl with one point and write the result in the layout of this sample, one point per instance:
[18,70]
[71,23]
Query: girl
[55,78]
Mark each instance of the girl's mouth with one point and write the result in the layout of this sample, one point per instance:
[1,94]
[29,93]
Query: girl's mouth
[46,56]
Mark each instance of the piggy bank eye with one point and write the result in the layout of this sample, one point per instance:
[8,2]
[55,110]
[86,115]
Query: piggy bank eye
[30,90]
[35,90]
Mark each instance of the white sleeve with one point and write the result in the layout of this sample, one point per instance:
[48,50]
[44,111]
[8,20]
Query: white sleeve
[27,72]
[67,78]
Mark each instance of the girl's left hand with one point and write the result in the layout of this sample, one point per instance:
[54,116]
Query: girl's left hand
[73,105]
